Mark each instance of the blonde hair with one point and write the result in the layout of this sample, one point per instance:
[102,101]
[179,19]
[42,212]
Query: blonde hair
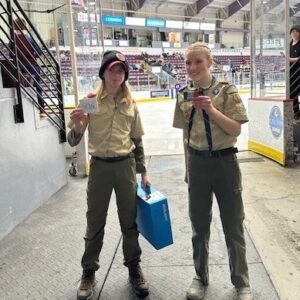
[125,92]
[199,46]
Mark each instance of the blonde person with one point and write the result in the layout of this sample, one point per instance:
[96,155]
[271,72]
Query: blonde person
[116,149]
[210,113]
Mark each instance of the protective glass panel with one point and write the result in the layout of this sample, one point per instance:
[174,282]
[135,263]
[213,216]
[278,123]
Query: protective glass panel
[268,52]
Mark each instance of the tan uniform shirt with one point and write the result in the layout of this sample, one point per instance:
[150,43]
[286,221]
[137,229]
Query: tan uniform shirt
[226,99]
[111,129]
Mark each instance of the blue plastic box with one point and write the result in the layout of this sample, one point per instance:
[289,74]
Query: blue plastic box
[153,219]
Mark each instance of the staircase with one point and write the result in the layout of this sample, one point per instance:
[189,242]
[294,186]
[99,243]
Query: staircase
[295,84]
[28,65]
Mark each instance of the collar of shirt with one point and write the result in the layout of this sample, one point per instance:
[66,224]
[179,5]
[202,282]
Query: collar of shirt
[208,86]
[118,99]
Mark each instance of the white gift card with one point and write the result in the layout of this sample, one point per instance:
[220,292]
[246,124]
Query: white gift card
[89,105]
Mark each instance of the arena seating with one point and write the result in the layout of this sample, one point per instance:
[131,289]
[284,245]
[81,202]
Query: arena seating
[88,66]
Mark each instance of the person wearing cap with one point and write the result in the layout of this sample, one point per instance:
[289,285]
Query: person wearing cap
[211,112]
[295,67]
[117,154]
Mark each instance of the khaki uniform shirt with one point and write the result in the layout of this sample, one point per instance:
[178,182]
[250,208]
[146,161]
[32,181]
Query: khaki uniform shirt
[226,99]
[111,129]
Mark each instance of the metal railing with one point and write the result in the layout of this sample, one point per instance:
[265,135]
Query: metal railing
[295,83]
[29,64]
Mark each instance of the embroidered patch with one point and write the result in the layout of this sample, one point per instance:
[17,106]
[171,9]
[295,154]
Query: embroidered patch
[216,91]
[120,56]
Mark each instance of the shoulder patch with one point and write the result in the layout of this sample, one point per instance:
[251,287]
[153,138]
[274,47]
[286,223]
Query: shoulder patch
[231,89]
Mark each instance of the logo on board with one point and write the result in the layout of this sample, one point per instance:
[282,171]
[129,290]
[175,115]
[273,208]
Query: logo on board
[276,122]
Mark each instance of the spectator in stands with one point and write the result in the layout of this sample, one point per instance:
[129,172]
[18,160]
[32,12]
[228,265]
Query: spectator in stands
[28,52]
[295,67]
[210,113]
[165,55]
[113,165]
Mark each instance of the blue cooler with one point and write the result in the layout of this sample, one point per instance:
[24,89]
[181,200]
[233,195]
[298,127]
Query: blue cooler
[153,219]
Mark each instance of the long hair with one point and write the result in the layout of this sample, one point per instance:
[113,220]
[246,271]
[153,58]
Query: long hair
[125,92]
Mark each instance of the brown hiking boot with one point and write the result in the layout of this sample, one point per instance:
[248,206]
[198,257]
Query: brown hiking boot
[139,283]
[87,283]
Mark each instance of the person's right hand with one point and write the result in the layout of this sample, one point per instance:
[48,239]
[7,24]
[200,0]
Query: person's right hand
[78,116]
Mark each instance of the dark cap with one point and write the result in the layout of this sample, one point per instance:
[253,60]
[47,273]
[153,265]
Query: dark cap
[295,27]
[111,58]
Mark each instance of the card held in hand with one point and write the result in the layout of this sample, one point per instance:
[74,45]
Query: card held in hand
[89,105]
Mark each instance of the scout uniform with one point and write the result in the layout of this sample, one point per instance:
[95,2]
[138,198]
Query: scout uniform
[213,168]
[115,159]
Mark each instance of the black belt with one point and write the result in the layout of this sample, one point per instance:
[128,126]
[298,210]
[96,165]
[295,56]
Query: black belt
[112,159]
[215,153]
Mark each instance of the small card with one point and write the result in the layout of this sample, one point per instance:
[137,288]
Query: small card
[89,105]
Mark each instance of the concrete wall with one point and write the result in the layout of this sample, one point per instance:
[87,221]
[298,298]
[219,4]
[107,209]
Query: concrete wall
[32,162]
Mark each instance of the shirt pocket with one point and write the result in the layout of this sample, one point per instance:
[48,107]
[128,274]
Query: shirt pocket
[97,120]
[102,109]
[126,117]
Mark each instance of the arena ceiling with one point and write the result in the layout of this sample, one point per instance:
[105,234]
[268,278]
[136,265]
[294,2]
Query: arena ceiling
[200,9]
[190,8]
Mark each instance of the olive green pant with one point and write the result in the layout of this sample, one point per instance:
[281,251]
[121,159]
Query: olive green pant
[221,176]
[103,179]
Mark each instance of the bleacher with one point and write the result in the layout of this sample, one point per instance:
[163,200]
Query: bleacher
[137,72]
[88,67]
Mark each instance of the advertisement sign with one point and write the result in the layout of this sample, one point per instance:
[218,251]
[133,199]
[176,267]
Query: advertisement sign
[207,26]
[155,22]
[191,25]
[161,93]
[113,20]
[174,24]
[135,21]
[276,122]
[266,130]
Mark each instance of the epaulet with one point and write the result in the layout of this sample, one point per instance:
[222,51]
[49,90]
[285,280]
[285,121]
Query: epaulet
[231,89]
[224,82]
[182,88]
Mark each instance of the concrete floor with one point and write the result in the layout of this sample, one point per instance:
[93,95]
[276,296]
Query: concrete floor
[40,258]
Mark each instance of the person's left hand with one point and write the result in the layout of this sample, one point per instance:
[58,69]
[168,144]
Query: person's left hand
[145,181]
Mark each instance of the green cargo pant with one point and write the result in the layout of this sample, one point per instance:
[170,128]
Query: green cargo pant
[221,176]
[103,178]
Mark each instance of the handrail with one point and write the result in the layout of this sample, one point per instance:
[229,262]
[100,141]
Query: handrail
[19,63]
[36,32]
[295,83]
